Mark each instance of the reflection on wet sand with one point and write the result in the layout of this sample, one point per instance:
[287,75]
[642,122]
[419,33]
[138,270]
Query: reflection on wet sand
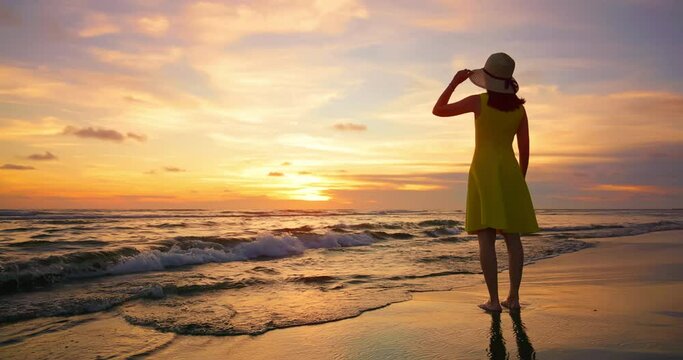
[497,348]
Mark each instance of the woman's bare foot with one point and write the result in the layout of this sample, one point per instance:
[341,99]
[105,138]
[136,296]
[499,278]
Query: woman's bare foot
[492,307]
[512,304]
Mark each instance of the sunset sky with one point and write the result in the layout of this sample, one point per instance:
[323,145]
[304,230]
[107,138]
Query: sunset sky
[327,104]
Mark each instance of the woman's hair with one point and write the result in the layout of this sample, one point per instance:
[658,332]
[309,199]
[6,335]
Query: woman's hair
[504,102]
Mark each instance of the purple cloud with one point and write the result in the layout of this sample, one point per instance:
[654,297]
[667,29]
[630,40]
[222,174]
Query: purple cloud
[16,167]
[41,157]
[138,137]
[101,134]
[95,133]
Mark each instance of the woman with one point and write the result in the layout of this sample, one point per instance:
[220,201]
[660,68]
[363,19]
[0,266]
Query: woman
[498,199]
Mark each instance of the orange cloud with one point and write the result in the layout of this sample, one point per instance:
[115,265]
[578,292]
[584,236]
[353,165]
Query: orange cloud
[641,189]
[410,181]
[153,25]
[147,59]
[173,169]
[19,128]
[350,127]
[312,142]
[90,90]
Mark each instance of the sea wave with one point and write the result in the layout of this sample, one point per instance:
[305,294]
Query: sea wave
[56,243]
[60,304]
[181,251]
[612,230]
[84,215]
[46,271]
[153,269]
[582,227]
[398,225]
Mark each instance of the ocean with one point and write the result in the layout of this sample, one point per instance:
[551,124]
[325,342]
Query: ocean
[208,272]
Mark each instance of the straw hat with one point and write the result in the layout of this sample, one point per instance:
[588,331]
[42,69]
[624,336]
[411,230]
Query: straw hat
[496,75]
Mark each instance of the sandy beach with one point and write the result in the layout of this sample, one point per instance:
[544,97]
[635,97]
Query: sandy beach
[622,299]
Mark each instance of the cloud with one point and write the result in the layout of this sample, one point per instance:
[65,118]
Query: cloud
[133,99]
[16,129]
[95,133]
[477,16]
[219,23]
[106,93]
[277,76]
[147,197]
[312,142]
[97,24]
[286,163]
[7,17]
[275,173]
[630,188]
[47,156]
[102,134]
[138,137]
[153,25]
[147,59]
[20,82]
[173,169]
[274,86]
[16,167]
[648,175]
[411,181]
[350,127]
[589,121]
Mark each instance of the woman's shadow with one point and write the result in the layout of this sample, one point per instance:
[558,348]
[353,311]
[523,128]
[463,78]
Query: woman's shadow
[497,343]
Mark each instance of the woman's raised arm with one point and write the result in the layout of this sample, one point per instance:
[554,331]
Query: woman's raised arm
[469,104]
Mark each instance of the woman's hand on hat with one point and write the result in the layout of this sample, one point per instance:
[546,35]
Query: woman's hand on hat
[461,76]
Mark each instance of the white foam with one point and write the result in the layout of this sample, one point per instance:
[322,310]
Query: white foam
[269,246]
[158,260]
[265,245]
[452,231]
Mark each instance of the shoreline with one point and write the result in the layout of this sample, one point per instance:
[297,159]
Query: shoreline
[569,311]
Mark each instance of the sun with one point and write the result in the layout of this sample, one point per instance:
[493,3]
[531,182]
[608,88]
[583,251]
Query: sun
[309,194]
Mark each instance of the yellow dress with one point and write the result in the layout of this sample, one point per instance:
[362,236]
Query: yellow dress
[497,194]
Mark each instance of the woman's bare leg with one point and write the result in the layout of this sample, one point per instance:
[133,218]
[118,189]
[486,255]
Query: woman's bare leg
[489,265]
[516,260]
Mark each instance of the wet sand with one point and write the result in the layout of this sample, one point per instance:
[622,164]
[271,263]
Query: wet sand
[622,299]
